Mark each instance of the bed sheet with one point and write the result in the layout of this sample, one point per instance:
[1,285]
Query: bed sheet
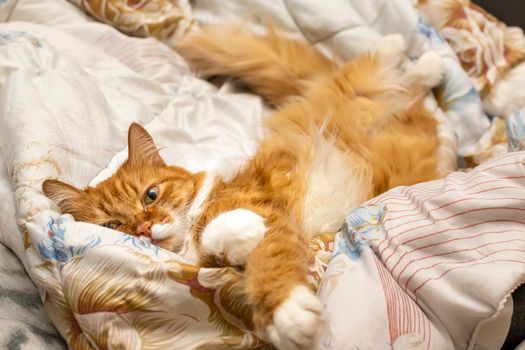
[69,89]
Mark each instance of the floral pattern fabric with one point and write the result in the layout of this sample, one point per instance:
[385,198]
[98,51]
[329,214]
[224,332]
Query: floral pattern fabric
[515,128]
[488,50]
[166,20]
[486,47]
[407,263]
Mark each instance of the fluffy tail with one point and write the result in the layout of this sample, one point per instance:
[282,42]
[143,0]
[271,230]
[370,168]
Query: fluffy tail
[272,66]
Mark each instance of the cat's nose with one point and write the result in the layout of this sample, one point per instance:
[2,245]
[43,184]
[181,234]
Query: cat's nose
[144,229]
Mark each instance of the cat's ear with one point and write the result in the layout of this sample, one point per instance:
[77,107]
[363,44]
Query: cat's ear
[141,147]
[65,196]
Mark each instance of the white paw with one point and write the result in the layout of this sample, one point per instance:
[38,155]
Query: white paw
[233,235]
[298,322]
[391,49]
[427,70]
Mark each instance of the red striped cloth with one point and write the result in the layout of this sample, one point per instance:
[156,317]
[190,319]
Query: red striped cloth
[448,255]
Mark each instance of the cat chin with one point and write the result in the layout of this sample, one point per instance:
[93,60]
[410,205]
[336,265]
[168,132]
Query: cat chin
[171,235]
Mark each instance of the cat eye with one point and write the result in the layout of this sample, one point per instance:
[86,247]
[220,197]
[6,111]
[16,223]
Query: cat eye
[112,224]
[151,195]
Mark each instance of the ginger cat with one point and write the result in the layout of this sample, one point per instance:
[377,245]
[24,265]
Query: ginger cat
[340,136]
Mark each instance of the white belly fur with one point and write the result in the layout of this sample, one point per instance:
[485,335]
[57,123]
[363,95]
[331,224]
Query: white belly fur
[336,182]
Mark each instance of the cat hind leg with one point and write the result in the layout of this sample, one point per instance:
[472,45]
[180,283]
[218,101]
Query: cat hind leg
[391,49]
[426,71]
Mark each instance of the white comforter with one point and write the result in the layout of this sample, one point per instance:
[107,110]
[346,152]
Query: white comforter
[70,87]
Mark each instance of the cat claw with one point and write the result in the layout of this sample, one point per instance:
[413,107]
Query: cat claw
[298,322]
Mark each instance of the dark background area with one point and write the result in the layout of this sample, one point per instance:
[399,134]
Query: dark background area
[512,12]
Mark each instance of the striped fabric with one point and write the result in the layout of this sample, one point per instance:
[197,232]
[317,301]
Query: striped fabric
[445,255]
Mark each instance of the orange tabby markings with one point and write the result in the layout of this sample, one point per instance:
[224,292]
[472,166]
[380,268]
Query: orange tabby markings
[341,135]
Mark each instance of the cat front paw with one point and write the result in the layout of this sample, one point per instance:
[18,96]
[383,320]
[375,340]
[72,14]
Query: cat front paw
[298,322]
[233,235]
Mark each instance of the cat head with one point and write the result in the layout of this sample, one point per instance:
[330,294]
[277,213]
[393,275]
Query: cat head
[144,197]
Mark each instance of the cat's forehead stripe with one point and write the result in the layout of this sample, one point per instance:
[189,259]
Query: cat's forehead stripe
[106,206]
[129,188]
[105,197]
[113,192]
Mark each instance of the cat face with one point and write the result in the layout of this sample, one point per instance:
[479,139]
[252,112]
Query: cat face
[144,198]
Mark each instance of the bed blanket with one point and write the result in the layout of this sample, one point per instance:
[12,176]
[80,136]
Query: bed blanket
[439,259]
[69,89]
[493,56]
[24,323]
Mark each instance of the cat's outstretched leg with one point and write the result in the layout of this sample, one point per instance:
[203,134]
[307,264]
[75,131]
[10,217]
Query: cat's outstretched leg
[286,311]
[273,66]
[387,77]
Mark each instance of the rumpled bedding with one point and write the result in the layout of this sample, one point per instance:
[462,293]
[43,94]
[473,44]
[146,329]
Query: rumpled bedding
[166,20]
[23,321]
[423,267]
